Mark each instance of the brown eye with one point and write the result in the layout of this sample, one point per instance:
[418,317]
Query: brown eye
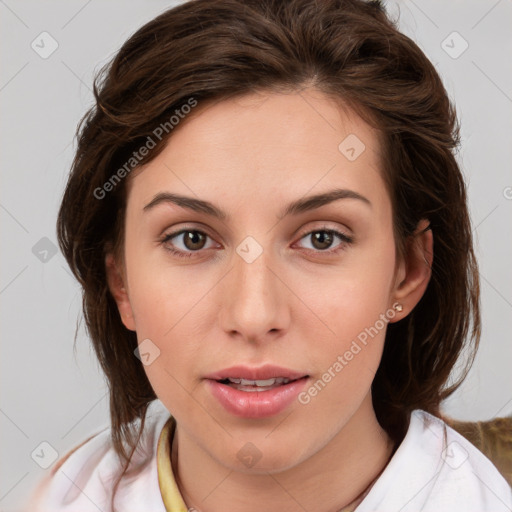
[322,239]
[186,242]
[194,240]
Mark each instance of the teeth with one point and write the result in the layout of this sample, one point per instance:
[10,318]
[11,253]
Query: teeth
[260,383]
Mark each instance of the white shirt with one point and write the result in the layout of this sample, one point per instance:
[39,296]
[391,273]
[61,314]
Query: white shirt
[434,469]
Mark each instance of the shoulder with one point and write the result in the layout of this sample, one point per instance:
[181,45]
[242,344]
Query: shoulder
[437,469]
[83,478]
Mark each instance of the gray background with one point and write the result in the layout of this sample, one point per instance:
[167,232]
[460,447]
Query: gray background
[51,393]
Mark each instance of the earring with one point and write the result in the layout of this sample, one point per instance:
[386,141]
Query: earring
[398,307]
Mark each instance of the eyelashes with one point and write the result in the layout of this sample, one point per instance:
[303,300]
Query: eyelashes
[331,234]
[180,252]
[344,241]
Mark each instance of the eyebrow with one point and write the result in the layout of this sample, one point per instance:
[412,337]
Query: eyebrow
[301,205]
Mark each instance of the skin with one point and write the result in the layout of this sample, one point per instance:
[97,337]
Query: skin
[295,305]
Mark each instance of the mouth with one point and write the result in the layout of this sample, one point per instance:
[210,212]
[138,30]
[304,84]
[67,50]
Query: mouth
[256,392]
[261,385]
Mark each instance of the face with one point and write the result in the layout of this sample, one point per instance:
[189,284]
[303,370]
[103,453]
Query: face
[308,289]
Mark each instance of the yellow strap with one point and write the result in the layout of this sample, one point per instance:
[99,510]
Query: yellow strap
[171,495]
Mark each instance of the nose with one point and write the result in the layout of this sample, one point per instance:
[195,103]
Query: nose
[255,299]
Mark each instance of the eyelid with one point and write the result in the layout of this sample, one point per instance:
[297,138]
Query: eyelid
[168,235]
[344,238]
[327,227]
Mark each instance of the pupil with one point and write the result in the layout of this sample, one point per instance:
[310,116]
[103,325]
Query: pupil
[324,237]
[194,237]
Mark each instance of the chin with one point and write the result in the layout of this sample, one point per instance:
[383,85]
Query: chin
[262,457]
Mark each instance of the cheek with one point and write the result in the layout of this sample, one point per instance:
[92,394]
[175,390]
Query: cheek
[347,359]
[354,296]
[156,307]
[167,319]
[354,305]
[162,294]
[168,305]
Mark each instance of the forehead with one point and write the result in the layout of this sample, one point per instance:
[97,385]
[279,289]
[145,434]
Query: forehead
[265,145]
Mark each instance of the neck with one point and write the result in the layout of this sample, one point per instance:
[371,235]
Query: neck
[331,479]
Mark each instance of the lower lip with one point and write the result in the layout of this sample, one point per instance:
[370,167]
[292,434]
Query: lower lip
[257,404]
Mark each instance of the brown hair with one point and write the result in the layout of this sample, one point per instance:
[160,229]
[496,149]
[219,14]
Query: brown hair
[217,49]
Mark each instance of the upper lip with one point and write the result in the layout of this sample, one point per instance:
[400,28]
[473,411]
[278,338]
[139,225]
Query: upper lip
[260,373]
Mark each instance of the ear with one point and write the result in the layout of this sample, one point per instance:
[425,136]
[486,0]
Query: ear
[415,270]
[117,287]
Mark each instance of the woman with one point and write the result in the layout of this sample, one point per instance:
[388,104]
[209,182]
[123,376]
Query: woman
[272,236]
